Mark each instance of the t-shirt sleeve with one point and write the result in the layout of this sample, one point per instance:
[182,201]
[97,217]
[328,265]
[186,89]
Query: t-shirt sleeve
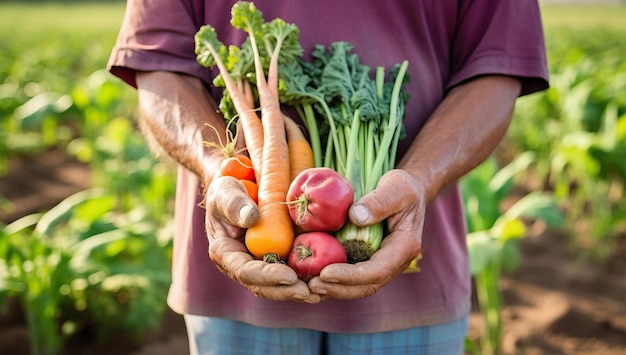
[500,37]
[156,35]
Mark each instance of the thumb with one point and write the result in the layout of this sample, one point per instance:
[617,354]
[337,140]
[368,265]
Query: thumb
[228,201]
[391,195]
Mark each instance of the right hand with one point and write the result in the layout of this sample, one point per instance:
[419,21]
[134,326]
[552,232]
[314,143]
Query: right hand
[229,211]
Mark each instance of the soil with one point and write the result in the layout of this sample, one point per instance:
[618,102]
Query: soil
[555,303]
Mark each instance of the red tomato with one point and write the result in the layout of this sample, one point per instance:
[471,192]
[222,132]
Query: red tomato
[313,251]
[319,199]
[239,167]
[252,188]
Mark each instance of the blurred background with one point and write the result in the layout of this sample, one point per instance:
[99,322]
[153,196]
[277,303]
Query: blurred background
[86,211]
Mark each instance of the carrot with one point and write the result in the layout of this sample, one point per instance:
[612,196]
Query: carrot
[238,166]
[271,237]
[251,188]
[300,152]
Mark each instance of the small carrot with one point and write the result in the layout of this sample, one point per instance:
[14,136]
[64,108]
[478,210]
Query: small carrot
[238,166]
[300,152]
[251,188]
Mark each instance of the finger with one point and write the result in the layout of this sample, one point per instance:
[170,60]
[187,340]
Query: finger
[220,248]
[363,273]
[345,284]
[393,193]
[227,200]
[259,272]
[232,258]
[216,228]
[395,255]
[272,281]
[298,292]
[347,292]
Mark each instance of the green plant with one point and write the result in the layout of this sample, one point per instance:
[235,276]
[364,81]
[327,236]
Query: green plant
[576,130]
[32,270]
[83,264]
[493,235]
[98,262]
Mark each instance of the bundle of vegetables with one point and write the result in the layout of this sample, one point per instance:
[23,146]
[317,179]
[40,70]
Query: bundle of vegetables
[354,123]
[356,118]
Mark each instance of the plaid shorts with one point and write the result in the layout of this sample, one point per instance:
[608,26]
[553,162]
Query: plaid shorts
[223,337]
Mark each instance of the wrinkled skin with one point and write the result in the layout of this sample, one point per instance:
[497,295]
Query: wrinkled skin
[399,199]
[473,118]
[229,211]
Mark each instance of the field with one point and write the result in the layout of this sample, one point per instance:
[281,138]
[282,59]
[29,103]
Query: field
[74,171]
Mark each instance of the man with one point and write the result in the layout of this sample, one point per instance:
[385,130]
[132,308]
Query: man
[469,61]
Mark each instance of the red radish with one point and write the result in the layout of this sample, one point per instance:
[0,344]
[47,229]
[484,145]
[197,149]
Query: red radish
[313,251]
[319,199]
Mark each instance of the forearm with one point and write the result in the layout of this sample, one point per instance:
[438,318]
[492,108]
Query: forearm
[462,132]
[175,114]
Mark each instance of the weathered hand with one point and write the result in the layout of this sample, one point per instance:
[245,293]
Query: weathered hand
[229,212]
[399,199]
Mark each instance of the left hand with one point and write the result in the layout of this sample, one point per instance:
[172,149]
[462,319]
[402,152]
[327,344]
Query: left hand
[399,198]
[229,211]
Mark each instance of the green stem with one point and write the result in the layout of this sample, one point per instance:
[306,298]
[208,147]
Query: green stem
[489,302]
[333,138]
[354,158]
[390,129]
[306,112]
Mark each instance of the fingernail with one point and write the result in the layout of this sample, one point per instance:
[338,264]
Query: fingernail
[360,213]
[245,214]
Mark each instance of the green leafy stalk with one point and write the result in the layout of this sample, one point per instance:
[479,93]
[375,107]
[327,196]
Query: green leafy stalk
[374,149]
[268,47]
[390,131]
[363,117]
[211,52]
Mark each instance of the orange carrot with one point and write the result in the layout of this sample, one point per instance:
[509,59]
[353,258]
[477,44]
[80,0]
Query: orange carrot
[272,235]
[251,188]
[300,152]
[273,232]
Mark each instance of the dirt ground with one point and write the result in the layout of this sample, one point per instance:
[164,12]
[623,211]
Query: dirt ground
[553,304]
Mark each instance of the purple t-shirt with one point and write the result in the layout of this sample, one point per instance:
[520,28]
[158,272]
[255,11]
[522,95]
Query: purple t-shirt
[446,42]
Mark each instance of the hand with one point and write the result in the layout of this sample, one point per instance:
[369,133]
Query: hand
[229,212]
[399,198]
